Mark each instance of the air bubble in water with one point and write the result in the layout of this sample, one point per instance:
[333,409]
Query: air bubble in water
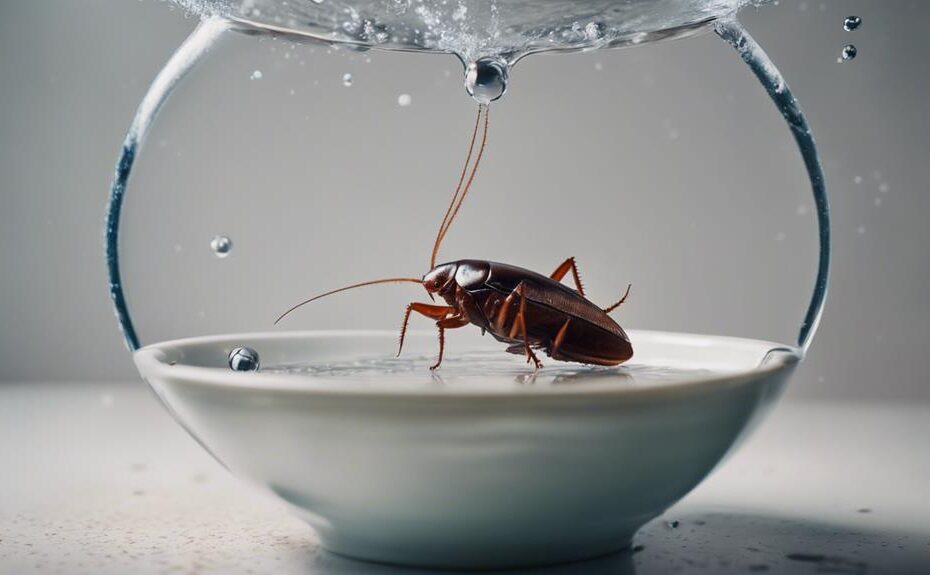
[851,23]
[347,80]
[849,52]
[221,246]
[256,75]
[404,100]
[486,80]
[244,359]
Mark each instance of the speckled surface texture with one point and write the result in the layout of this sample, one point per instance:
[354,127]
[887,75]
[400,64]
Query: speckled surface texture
[99,479]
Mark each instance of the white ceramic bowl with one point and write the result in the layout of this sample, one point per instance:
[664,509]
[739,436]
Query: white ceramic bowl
[476,470]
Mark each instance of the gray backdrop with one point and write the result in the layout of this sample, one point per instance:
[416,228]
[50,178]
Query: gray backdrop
[664,166]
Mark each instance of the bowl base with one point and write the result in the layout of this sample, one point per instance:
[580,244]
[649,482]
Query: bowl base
[474,557]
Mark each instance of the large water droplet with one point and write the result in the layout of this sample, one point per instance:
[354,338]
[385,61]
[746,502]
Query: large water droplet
[486,80]
[244,359]
[849,52]
[256,75]
[221,246]
[404,100]
[851,23]
[347,80]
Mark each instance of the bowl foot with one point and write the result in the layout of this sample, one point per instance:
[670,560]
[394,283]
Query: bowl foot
[468,556]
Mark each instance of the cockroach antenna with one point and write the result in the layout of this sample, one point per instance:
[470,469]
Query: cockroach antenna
[465,181]
[460,192]
[353,286]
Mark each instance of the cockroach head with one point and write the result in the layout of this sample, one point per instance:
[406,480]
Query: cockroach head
[440,278]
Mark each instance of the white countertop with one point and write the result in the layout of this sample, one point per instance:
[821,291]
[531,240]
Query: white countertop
[97,478]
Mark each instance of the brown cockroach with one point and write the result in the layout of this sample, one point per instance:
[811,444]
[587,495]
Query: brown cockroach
[527,310]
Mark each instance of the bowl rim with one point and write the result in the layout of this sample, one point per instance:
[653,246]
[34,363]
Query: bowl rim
[153,364]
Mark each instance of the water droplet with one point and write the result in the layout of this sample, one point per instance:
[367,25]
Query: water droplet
[673,524]
[244,359]
[404,100]
[106,400]
[256,75]
[883,188]
[347,80]
[802,210]
[860,230]
[221,246]
[851,23]
[877,202]
[598,66]
[849,52]
[486,80]
[780,236]
[857,180]
[317,1]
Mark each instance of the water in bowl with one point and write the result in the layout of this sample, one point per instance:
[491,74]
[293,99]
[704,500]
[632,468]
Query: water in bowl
[491,369]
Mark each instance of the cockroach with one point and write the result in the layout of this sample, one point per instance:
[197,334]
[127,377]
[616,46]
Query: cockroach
[524,309]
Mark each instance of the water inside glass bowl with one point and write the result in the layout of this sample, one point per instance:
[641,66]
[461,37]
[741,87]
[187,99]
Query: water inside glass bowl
[473,29]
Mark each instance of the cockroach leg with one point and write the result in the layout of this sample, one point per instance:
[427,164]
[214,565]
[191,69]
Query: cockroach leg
[442,347]
[436,312]
[520,321]
[560,272]
[611,308]
[448,322]
[559,337]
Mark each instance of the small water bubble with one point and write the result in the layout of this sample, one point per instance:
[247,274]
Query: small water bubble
[598,66]
[106,400]
[404,100]
[857,180]
[860,230]
[256,75]
[221,246]
[883,188]
[244,359]
[347,80]
[802,210]
[849,52]
[780,236]
[673,524]
[877,202]
[486,80]
[852,23]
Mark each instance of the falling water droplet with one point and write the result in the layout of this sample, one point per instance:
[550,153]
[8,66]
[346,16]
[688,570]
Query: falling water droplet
[404,100]
[851,23]
[347,80]
[221,246]
[244,359]
[849,52]
[486,80]
[256,75]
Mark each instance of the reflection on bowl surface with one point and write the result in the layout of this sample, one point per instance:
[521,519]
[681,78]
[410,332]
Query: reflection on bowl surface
[479,467]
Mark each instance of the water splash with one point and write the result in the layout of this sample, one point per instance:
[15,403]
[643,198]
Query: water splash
[473,29]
